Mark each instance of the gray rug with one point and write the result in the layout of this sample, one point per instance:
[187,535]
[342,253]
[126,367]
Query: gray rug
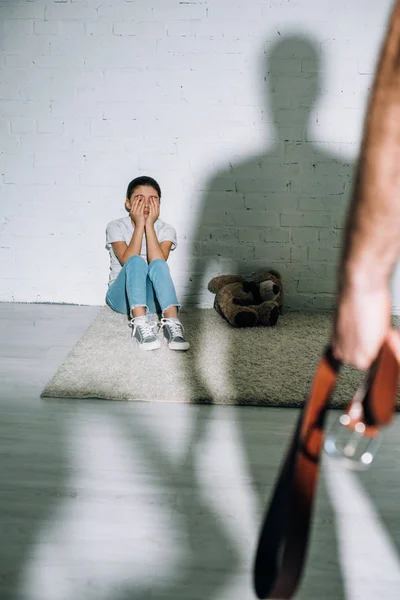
[259,366]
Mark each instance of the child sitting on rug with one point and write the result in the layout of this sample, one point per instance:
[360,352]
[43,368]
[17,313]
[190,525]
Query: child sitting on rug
[140,282]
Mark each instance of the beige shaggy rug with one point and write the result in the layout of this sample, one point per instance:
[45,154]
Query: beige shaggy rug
[261,366]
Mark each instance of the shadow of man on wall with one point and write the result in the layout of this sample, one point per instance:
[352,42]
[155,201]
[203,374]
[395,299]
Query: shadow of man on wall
[283,207]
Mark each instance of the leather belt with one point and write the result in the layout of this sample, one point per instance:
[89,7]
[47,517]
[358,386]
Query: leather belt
[284,536]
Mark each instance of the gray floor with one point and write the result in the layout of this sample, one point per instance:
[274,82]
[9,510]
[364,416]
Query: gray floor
[118,501]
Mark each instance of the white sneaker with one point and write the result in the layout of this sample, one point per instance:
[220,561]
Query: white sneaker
[143,333]
[155,323]
[174,333]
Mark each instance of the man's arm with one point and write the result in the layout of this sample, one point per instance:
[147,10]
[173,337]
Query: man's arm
[372,240]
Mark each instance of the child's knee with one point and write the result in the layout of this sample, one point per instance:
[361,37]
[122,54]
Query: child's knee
[135,258]
[158,265]
[136,261]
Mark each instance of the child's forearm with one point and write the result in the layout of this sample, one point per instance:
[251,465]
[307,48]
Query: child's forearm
[153,247]
[135,245]
[372,242]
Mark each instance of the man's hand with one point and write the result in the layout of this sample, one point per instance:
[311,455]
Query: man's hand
[372,240]
[362,324]
[137,212]
[154,211]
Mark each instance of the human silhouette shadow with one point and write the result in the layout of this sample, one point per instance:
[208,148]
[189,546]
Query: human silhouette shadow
[282,208]
[30,487]
[211,557]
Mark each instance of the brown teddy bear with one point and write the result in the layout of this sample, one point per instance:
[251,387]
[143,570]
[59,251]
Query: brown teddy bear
[246,303]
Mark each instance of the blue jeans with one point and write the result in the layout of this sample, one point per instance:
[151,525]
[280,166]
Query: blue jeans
[139,284]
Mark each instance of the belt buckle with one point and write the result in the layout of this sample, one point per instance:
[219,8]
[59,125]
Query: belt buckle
[350,440]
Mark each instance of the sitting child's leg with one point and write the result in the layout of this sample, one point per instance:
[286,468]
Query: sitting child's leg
[154,309]
[160,277]
[127,294]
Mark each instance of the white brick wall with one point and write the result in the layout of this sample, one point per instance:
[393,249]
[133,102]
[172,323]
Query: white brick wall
[248,113]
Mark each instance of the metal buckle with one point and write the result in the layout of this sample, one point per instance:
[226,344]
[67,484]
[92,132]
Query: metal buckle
[350,441]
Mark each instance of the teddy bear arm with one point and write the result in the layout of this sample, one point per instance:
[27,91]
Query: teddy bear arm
[243,297]
[217,283]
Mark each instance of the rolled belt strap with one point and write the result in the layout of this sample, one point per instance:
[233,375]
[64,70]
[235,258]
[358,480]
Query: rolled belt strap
[284,536]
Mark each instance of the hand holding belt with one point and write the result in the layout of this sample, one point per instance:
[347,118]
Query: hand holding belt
[284,536]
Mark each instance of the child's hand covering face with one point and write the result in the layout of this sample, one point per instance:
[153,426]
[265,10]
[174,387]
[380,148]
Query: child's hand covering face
[153,210]
[137,213]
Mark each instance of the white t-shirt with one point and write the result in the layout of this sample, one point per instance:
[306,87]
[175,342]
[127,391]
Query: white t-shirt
[121,230]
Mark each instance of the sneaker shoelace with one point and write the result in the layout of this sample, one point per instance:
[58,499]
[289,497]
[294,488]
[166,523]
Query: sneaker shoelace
[175,327]
[144,326]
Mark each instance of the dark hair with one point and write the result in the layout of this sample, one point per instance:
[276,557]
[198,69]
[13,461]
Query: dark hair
[143,180]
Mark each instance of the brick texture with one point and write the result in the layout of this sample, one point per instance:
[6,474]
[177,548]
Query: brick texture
[249,115]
